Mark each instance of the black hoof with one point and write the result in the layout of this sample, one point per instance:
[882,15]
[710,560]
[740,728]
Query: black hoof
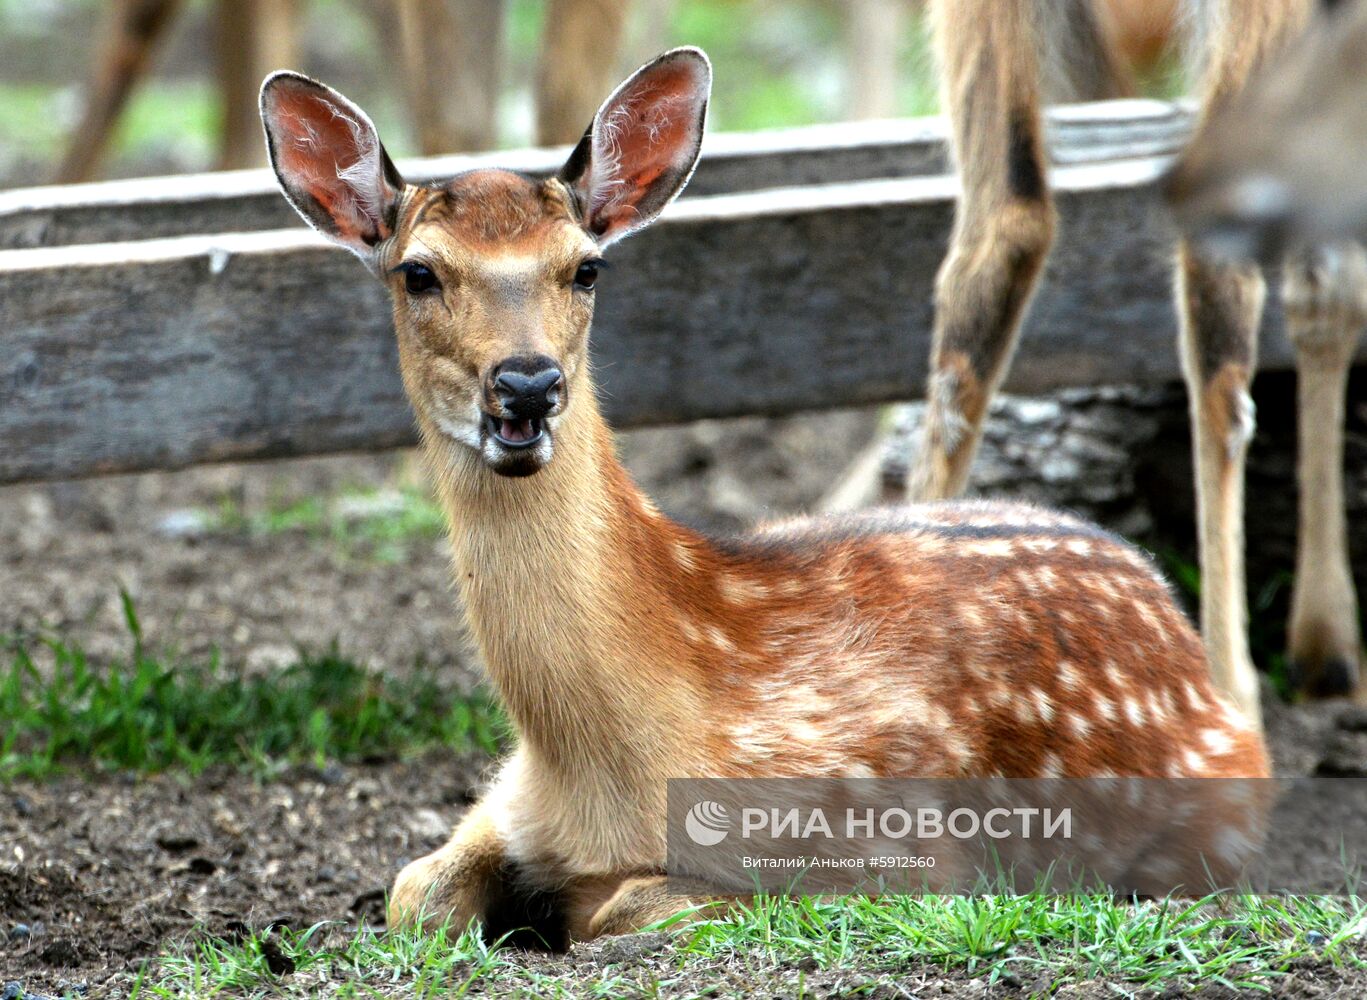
[1334,678]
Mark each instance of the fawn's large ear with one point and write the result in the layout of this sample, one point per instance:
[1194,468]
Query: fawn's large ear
[642,146]
[329,161]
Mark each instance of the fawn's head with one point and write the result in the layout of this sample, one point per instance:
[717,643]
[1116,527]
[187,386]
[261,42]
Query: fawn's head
[491,275]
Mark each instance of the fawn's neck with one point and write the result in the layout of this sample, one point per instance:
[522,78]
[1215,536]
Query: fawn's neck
[565,583]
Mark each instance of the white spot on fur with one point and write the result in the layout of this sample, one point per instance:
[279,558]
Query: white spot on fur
[1217,741]
[970,613]
[1044,705]
[995,548]
[740,590]
[683,555]
[1080,724]
[1134,712]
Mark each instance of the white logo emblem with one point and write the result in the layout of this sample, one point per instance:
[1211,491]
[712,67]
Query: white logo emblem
[707,824]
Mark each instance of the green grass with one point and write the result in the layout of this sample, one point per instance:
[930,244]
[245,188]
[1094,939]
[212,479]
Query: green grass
[1235,940]
[1243,942]
[179,119]
[149,712]
[378,524]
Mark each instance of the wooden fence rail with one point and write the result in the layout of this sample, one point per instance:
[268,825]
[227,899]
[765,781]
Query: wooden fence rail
[166,352]
[248,200]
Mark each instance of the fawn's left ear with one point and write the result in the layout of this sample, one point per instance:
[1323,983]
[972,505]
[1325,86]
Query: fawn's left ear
[642,146]
[330,163]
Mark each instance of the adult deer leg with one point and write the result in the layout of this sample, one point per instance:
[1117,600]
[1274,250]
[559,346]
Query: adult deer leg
[1325,294]
[1004,226]
[1220,307]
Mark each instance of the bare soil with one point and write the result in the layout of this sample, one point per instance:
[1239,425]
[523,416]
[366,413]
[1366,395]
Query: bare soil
[100,875]
[67,548]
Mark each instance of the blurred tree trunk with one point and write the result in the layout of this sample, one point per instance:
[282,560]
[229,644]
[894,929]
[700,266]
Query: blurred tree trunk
[580,46]
[129,37]
[452,71]
[874,30]
[252,39]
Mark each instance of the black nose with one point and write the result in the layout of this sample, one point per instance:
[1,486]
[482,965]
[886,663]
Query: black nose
[529,395]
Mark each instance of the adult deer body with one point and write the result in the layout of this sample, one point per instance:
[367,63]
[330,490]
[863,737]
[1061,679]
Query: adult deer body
[942,640]
[998,58]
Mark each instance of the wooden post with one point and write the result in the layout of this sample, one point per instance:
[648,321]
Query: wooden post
[580,43]
[452,71]
[252,38]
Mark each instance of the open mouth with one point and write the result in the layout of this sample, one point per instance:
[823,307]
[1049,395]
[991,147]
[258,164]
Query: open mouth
[514,433]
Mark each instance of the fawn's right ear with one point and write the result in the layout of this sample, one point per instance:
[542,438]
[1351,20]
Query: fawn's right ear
[330,163]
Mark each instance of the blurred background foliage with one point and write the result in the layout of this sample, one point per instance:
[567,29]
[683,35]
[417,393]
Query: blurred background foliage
[778,63]
[450,75]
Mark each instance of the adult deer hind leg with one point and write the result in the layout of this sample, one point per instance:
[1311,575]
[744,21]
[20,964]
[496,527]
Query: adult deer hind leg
[1324,291]
[1220,306]
[990,63]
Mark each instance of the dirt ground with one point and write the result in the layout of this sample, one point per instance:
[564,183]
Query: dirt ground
[97,876]
[67,548]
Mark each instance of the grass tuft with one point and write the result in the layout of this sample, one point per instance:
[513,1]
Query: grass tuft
[379,524]
[1036,942]
[1238,940]
[148,713]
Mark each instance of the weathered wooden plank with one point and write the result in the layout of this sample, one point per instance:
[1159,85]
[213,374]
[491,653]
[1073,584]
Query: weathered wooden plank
[248,201]
[165,353]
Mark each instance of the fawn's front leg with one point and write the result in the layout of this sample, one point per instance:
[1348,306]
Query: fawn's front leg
[473,877]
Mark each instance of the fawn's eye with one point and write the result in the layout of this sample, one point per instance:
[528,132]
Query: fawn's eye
[587,274]
[418,278]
